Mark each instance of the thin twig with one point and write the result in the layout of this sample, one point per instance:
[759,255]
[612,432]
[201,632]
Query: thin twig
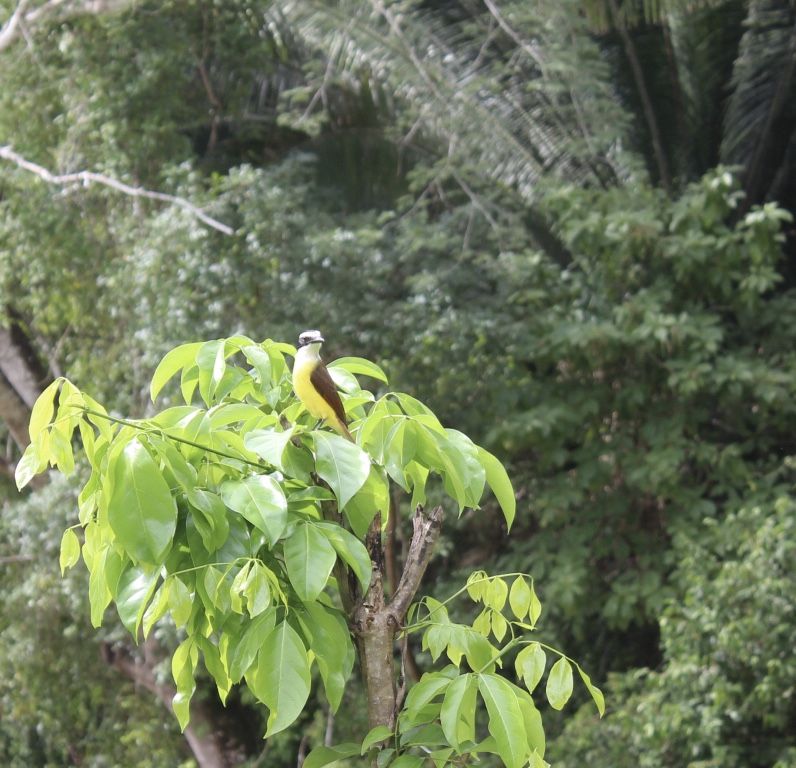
[9,31]
[87,177]
[15,559]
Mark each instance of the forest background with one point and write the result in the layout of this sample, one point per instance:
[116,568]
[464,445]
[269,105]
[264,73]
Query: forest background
[566,225]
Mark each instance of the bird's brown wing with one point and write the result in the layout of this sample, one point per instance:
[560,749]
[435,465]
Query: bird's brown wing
[322,381]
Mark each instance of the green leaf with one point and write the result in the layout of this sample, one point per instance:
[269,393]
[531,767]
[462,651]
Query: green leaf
[373,497]
[331,643]
[32,461]
[210,515]
[535,610]
[467,458]
[407,761]
[61,452]
[157,608]
[141,511]
[480,653]
[496,593]
[261,500]
[180,603]
[134,589]
[498,480]
[341,463]
[268,444]
[532,719]
[43,409]
[499,626]
[257,590]
[183,664]
[520,598]
[70,550]
[99,595]
[350,550]
[244,651]
[207,361]
[430,685]
[457,715]
[477,583]
[375,736]
[322,756]
[530,665]
[309,559]
[261,363]
[281,678]
[506,723]
[361,366]
[400,445]
[173,361]
[559,683]
[595,692]
[214,665]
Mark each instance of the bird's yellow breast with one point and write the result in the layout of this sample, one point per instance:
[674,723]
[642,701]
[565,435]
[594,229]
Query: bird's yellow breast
[306,392]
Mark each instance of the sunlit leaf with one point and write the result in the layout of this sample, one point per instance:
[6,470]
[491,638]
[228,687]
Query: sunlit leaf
[334,651]
[350,550]
[135,587]
[360,366]
[498,480]
[70,550]
[309,559]
[520,598]
[559,683]
[142,511]
[281,678]
[173,361]
[530,665]
[595,692]
[261,500]
[323,756]
[457,715]
[506,722]
[341,463]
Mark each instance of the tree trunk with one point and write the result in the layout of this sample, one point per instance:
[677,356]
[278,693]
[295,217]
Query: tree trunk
[375,621]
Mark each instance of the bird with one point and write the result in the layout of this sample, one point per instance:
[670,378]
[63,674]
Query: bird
[314,386]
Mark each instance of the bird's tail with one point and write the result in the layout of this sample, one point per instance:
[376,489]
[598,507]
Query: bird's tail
[339,426]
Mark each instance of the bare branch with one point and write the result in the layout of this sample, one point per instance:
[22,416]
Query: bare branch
[424,539]
[54,9]
[9,32]
[87,177]
[15,559]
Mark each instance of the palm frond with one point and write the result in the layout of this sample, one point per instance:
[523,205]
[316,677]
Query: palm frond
[523,88]
[760,121]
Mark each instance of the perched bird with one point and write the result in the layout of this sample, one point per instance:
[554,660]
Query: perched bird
[314,386]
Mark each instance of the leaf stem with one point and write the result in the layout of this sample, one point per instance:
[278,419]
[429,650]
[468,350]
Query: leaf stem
[151,428]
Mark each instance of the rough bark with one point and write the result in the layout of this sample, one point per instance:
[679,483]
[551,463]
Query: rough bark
[376,621]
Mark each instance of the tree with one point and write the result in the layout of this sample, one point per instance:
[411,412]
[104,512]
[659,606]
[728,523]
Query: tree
[235,518]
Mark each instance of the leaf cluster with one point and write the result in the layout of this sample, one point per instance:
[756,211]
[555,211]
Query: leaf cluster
[228,517]
[450,714]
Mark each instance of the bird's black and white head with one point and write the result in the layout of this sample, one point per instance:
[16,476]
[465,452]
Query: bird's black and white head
[310,337]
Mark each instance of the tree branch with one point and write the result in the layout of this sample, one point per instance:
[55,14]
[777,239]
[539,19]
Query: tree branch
[424,539]
[87,177]
[22,18]
[9,32]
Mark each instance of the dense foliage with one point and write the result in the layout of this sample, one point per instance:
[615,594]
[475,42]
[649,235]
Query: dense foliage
[518,210]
